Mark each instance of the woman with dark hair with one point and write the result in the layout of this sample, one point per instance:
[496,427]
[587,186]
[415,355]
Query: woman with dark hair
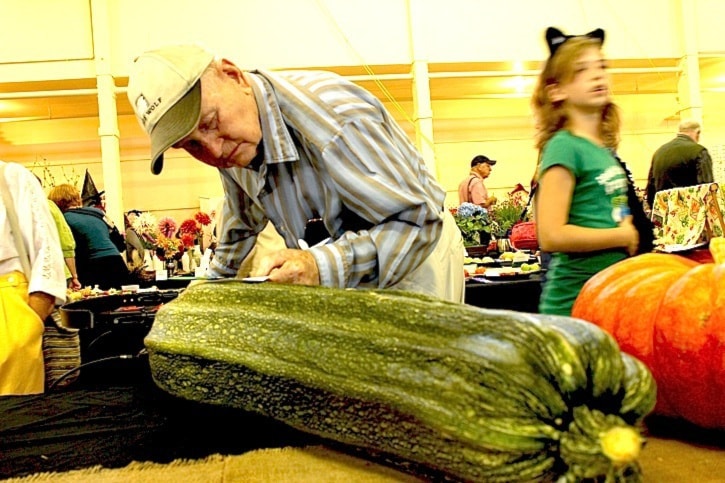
[98,260]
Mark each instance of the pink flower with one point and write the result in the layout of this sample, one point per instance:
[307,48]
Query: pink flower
[167,227]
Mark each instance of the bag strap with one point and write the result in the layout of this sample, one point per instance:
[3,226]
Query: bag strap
[468,188]
[640,220]
[14,224]
[534,185]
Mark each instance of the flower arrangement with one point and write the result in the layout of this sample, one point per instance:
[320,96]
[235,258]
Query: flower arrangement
[146,227]
[165,237]
[169,248]
[194,227]
[472,220]
[508,212]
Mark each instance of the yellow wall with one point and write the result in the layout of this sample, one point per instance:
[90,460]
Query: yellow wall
[53,39]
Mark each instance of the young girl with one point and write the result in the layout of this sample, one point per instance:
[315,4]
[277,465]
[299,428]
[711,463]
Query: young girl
[582,214]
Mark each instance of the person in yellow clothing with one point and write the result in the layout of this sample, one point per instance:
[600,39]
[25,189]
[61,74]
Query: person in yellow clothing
[28,291]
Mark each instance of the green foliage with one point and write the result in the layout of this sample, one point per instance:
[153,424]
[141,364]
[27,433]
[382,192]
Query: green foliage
[472,220]
[506,213]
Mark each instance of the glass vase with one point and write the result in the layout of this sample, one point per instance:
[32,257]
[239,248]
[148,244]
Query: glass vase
[170,268]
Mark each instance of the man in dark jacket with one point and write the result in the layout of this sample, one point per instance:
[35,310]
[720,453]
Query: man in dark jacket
[680,162]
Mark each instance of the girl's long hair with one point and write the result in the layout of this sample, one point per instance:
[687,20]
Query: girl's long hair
[551,116]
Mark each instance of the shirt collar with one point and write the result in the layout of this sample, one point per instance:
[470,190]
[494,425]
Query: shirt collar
[276,140]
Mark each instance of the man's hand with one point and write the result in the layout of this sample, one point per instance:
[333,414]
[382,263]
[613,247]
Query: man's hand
[289,266]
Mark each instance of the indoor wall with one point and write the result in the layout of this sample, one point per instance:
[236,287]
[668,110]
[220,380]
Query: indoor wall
[468,65]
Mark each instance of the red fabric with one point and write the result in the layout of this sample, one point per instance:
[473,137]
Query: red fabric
[523,236]
[700,255]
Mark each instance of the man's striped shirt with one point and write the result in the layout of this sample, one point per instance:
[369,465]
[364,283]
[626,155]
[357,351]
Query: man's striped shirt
[332,151]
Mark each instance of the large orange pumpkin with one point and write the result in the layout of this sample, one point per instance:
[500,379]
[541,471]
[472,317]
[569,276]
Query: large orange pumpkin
[669,312]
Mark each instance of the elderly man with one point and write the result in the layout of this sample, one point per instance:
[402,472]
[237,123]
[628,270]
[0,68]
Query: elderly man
[472,189]
[298,146]
[679,162]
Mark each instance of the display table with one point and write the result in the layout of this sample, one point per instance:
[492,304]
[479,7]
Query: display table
[112,426]
[520,295]
[113,420]
[171,283]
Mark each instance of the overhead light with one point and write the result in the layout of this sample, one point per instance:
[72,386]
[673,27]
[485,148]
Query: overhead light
[19,119]
[518,83]
[10,106]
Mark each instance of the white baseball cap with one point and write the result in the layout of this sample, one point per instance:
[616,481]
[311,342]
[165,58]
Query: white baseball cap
[165,92]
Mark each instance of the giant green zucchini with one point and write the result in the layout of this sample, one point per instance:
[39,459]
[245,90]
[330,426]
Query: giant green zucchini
[480,395]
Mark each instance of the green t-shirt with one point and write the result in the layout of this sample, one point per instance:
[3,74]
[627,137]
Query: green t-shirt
[599,201]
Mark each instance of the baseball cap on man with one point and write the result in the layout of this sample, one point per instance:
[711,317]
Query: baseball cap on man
[480,159]
[165,92]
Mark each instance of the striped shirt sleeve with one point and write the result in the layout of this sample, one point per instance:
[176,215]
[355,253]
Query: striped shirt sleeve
[331,150]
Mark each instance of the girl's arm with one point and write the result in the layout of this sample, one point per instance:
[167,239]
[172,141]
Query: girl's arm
[553,200]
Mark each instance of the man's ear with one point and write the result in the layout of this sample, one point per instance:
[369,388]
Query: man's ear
[232,71]
[555,93]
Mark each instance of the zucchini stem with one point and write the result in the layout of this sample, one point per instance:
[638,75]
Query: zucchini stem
[621,444]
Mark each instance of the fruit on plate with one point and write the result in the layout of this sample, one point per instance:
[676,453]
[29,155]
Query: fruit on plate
[521,257]
[474,394]
[508,272]
[468,260]
[530,267]
[669,312]
[507,256]
[480,270]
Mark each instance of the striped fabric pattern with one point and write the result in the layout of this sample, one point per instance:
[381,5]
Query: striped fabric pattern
[332,151]
[61,352]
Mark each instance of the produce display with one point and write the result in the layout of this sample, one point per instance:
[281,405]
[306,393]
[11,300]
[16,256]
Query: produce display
[479,395]
[669,312]
[530,267]
[509,265]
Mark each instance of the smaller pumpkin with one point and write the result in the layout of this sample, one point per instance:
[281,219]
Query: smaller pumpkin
[669,312]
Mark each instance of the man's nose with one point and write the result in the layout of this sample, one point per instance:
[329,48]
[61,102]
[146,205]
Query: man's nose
[211,145]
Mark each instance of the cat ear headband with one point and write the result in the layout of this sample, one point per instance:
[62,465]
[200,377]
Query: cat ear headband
[555,38]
